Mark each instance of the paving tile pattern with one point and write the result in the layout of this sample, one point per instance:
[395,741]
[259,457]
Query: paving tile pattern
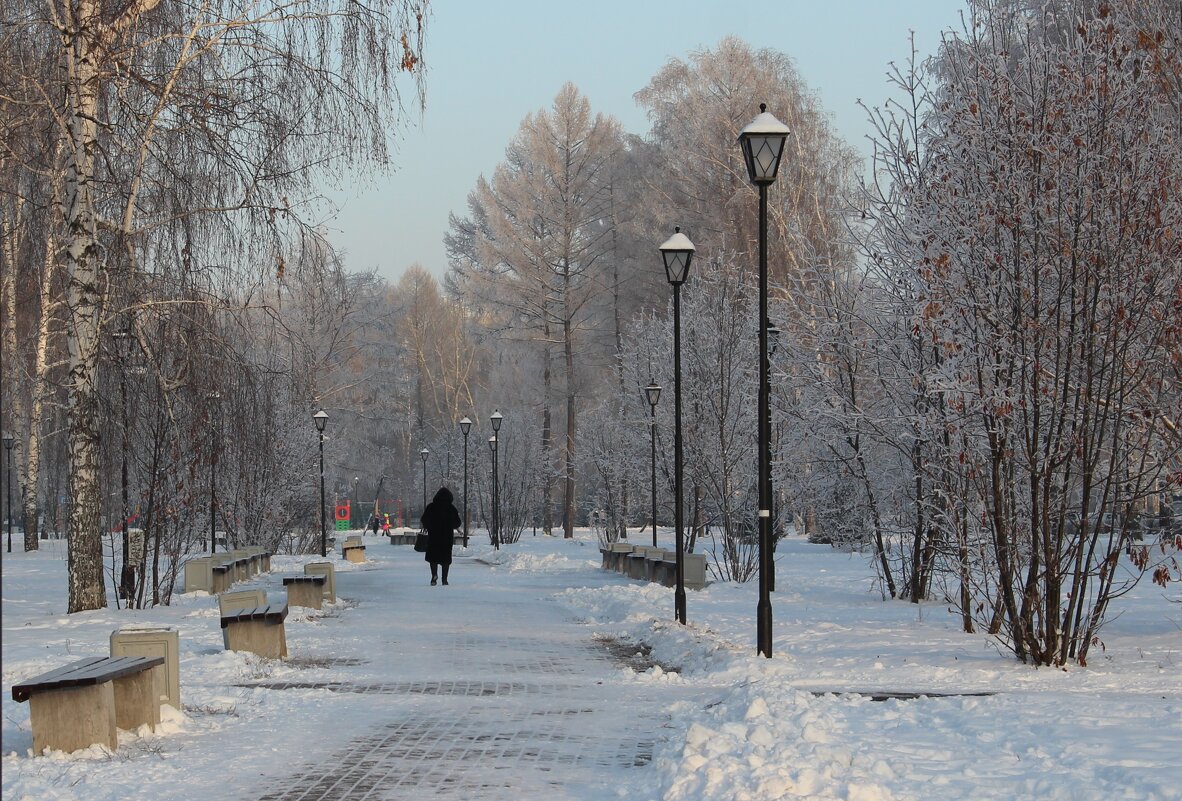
[510,712]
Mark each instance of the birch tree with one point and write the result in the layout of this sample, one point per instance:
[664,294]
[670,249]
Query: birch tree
[199,127]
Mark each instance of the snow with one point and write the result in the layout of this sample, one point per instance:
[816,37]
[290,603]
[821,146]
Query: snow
[957,718]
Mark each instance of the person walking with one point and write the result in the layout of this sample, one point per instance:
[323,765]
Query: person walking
[440,520]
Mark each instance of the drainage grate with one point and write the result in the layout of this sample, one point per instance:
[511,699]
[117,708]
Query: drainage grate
[886,695]
[306,662]
[458,688]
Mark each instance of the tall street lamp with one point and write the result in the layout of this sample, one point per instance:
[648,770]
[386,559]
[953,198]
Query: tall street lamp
[213,470]
[123,339]
[495,419]
[321,420]
[465,426]
[424,453]
[763,144]
[677,252]
[9,441]
[492,448]
[773,342]
[653,392]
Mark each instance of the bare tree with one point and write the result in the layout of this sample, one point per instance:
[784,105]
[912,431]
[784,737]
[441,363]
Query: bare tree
[537,245]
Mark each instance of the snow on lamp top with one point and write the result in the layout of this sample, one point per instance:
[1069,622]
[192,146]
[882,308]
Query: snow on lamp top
[763,145]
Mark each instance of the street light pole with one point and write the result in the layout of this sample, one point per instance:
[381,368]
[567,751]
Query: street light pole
[677,252]
[495,419]
[123,338]
[465,426]
[321,420]
[773,342]
[213,470]
[762,141]
[492,447]
[424,453]
[654,394]
[9,441]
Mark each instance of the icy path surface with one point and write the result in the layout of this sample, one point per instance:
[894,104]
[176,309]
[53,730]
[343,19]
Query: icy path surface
[465,692]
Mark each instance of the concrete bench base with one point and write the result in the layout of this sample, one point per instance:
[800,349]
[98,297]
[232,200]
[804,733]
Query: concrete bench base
[68,714]
[354,553]
[306,591]
[259,630]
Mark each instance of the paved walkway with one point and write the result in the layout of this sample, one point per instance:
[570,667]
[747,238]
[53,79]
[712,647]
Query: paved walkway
[479,690]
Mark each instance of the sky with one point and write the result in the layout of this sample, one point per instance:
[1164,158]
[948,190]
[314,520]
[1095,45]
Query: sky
[489,64]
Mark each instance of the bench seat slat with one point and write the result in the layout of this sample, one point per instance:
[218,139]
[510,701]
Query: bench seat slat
[304,580]
[84,672]
[271,613]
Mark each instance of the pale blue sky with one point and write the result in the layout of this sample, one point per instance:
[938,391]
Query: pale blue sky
[491,63]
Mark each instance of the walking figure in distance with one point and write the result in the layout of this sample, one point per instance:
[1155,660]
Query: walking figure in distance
[440,520]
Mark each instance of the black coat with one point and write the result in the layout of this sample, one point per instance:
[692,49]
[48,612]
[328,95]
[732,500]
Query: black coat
[440,520]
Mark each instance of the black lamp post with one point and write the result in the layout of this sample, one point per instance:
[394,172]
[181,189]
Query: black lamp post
[424,453]
[773,342]
[677,252]
[126,577]
[492,447]
[321,420]
[213,470]
[465,426]
[653,392]
[9,441]
[495,419]
[763,144]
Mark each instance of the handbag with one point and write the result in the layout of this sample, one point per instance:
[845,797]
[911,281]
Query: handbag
[421,542]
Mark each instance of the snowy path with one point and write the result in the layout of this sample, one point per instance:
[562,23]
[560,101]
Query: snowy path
[481,689]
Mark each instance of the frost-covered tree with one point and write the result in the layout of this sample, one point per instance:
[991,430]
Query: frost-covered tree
[536,252]
[1033,243]
[188,137]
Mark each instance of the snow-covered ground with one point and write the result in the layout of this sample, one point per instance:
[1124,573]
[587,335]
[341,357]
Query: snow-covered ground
[803,725]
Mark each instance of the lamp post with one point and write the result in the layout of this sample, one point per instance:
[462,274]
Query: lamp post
[653,392]
[495,419]
[321,420]
[213,470]
[762,141]
[9,441]
[465,426]
[677,252]
[492,448]
[424,453]
[126,579]
[356,510]
[773,342]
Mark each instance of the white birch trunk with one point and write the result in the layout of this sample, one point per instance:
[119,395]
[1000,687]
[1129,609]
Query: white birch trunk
[84,294]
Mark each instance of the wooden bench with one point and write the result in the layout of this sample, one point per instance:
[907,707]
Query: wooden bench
[401,539]
[617,554]
[83,703]
[257,629]
[327,570]
[693,576]
[307,591]
[353,550]
[241,599]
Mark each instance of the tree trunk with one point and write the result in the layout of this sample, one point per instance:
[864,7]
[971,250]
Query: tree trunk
[84,293]
[547,445]
[568,500]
